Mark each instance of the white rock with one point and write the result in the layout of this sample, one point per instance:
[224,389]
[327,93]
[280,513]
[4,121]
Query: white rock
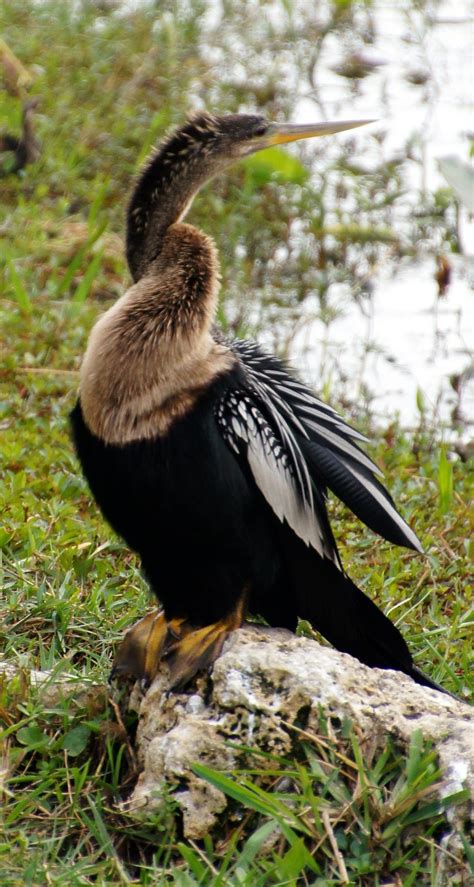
[264,681]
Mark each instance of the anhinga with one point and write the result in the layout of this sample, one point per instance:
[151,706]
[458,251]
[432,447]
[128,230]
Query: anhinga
[208,456]
[25,149]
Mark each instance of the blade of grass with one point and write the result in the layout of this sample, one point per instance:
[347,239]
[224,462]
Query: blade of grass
[76,262]
[85,285]
[445,482]
[250,796]
[19,291]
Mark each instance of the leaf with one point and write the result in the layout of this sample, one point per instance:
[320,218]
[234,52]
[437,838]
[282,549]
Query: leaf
[76,740]
[420,401]
[435,808]
[5,537]
[76,262]
[252,796]
[19,291]
[235,790]
[354,233]
[254,843]
[275,164]
[469,851]
[445,482]
[182,879]
[414,756]
[460,176]
[85,285]
[195,864]
[32,736]
[97,205]
[297,860]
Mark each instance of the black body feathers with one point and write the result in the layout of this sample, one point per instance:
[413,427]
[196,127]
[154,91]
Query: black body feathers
[189,505]
[215,461]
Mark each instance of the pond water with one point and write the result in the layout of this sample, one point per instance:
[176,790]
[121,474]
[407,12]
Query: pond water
[401,339]
[404,338]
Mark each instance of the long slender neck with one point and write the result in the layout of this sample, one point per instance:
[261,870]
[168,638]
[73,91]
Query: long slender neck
[166,188]
[153,352]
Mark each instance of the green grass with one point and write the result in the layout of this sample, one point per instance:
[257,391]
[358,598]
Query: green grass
[339,812]
[70,588]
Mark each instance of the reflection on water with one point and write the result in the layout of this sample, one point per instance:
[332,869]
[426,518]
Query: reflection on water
[405,338]
[336,246]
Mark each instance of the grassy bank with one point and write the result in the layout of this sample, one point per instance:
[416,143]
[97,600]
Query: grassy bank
[69,588]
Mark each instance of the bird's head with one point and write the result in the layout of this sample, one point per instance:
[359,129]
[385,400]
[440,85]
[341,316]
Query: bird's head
[227,139]
[191,155]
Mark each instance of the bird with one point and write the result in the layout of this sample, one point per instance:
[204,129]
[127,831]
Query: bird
[209,456]
[26,148]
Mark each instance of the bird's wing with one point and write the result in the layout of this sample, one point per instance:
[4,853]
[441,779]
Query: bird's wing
[320,447]
[261,436]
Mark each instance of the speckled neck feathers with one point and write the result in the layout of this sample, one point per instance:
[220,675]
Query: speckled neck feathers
[152,354]
[166,186]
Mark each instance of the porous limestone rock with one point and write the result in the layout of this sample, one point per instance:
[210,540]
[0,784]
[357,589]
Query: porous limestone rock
[265,681]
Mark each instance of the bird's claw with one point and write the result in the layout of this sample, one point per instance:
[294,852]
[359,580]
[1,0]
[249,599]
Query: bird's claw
[185,648]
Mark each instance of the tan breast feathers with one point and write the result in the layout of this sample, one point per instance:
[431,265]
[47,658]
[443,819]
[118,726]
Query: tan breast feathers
[150,356]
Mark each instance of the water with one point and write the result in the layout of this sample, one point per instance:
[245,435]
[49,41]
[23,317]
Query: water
[405,338]
[404,341]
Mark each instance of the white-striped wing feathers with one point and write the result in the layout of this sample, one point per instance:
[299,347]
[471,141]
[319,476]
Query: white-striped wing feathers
[296,446]
[277,465]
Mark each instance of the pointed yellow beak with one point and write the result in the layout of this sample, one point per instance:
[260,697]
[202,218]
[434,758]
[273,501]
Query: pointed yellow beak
[278,133]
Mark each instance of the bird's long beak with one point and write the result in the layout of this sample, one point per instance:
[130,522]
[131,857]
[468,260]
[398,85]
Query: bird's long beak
[278,133]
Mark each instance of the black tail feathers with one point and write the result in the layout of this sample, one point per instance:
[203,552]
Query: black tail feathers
[421,678]
[345,616]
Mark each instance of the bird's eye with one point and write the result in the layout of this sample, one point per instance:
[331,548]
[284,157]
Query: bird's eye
[261,130]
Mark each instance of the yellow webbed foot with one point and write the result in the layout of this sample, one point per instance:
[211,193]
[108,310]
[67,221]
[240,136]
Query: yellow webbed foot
[144,645]
[196,651]
[185,648]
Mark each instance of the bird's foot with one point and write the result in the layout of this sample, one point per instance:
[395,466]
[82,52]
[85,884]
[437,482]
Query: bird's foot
[144,646]
[197,648]
[185,649]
